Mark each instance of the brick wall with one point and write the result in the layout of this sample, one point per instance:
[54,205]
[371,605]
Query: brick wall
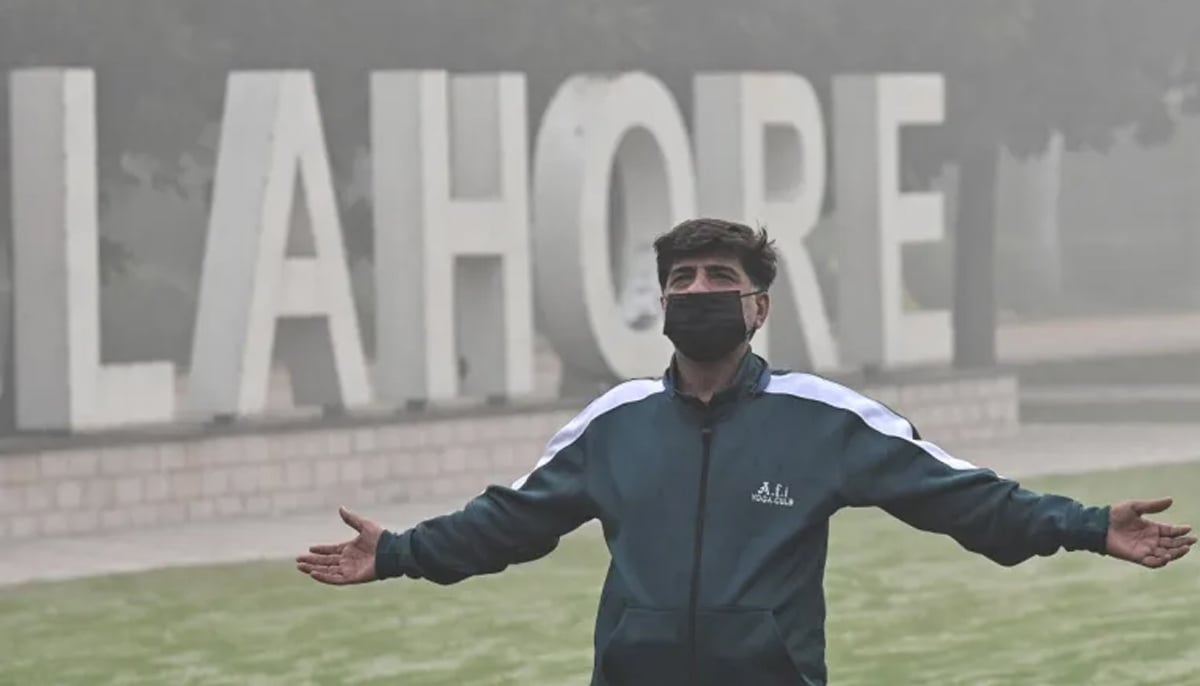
[54,490]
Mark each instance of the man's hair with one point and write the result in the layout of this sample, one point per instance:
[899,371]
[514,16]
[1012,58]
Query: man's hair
[707,237]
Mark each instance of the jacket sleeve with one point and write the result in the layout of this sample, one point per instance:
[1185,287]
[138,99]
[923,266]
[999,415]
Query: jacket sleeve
[501,526]
[887,464]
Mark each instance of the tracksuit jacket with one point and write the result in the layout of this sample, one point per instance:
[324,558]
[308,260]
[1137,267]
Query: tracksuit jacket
[717,516]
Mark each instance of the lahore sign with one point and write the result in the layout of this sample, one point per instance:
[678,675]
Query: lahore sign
[471,236]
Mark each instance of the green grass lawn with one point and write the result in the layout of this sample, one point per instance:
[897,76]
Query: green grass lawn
[904,608]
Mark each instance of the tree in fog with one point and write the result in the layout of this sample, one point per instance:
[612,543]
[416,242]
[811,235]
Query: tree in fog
[1019,75]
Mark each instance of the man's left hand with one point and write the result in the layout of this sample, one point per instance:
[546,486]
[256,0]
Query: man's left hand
[1141,541]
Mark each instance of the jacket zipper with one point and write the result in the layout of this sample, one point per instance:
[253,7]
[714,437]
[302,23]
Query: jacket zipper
[693,602]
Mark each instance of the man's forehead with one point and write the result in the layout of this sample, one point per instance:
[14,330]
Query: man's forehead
[706,262]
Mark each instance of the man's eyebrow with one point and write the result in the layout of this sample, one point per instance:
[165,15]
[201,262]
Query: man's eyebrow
[719,268]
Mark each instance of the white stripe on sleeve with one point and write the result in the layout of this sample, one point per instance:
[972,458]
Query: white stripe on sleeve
[628,392]
[875,414]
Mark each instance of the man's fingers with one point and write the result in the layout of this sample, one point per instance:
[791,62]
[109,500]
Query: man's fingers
[1173,531]
[352,520]
[1177,541]
[1163,556]
[1153,561]
[319,560]
[327,577]
[1169,551]
[1151,506]
[1173,542]
[329,548]
[1170,554]
[1176,553]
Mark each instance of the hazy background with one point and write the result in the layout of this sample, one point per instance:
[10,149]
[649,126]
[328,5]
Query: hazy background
[1072,134]
[1070,160]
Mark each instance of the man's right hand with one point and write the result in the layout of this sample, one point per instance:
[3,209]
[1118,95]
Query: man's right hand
[341,564]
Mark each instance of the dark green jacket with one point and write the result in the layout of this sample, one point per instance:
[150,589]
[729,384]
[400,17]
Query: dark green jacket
[717,520]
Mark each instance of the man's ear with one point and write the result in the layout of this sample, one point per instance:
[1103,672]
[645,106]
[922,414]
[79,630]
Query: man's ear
[764,307]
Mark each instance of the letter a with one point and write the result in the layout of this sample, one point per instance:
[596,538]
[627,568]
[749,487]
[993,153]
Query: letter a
[255,274]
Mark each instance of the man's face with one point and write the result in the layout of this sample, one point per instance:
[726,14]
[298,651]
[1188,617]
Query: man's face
[717,273]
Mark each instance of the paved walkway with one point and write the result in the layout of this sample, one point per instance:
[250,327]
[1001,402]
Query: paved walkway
[1078,338]
[1036,450]
[1112,394]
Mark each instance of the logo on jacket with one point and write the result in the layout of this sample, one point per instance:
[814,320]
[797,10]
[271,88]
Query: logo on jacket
[773,495]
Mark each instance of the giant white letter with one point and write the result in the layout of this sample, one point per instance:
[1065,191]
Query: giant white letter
[596,125]
[60,381]
[876,220]
[274,255]
[451,191]
[760,152]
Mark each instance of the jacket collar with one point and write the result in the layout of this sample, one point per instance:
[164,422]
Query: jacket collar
[751,379]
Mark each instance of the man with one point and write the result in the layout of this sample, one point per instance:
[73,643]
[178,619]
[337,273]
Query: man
[715,485]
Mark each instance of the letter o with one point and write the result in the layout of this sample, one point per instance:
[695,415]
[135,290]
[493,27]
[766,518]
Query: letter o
[593,123]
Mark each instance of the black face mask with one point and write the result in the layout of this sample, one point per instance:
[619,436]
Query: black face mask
[706,326]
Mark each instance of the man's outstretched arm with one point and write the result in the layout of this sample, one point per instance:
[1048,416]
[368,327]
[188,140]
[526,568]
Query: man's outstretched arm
[886,464]
[500,527]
